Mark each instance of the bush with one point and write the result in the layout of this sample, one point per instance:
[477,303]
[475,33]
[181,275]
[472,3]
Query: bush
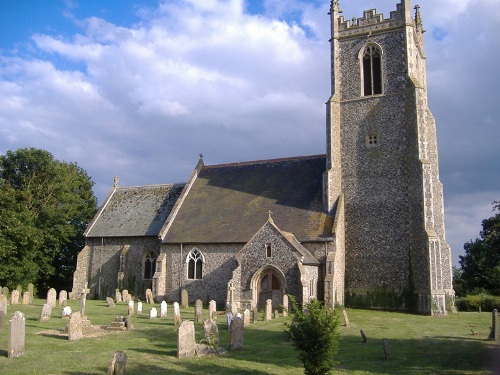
[314,333]
[476,301]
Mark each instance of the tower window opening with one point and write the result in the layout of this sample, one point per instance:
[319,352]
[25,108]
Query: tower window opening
[372,71]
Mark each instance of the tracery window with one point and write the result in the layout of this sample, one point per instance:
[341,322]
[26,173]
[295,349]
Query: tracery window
[372,70]
[149,265]
[195,260]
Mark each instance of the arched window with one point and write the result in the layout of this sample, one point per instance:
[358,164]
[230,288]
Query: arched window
[372,70]
[149,265]
[195,260]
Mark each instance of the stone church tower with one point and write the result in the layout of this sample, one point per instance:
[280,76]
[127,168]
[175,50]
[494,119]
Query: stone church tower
[382,164]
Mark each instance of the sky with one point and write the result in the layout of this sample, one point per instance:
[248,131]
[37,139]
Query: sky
[140,88]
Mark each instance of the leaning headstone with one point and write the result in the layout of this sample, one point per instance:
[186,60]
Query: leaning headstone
[149,296]
[186,345]
[118,363]
[177,314]
[139,308]
[17,335]
[346,319]
[211,331]
[153,313]
[66,312]
[118,296]
[31,289]
[75,327]
[198,311]
[246,317]
[3,310]
[163,309]
[14,297]
[184,298]
[131,307]
[363,336]
[285,305]
[387,350]
[63,298]
[125,295]
[51,297]
[110,301]
[269,309]
[212,309]
[26,298]
[45,313]
[236,333]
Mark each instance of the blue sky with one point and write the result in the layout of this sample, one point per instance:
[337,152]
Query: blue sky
[138,88]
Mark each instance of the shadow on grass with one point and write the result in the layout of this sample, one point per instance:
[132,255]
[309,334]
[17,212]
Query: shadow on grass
[3,353]
[193,368]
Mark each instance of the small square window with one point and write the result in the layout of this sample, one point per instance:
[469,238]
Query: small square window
[372,140]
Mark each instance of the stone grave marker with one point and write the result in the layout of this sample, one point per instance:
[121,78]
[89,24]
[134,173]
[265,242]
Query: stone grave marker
[118,296]
[229,319]
[75,327]
[45,313]
[66,312]
[184,298]
[51,297]
[276,314]
[186,345]
[110,301]
[198,311]
[26,298]
[118,363]
[14,297]
[19,288]
[83,301]
[3,310]
[246,317]
[346,319]
[269,309]
[63,298]
[31,289]
[125,295]
[211,331]
[237,330]
[212,309]
[177,314]
[119,324]
[285,305]
[128,322]
[255,315]
[153,313]
[5,292]
[17,335]
[131,307]
[387,350]
[163,309]
[149,296]
[139,308]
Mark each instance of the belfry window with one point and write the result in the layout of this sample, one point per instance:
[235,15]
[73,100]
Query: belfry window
[372,70]
[149,265]
[195,260]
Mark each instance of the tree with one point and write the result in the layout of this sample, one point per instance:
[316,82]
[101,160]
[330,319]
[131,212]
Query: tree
[314,333]
[47,207]
[480,264]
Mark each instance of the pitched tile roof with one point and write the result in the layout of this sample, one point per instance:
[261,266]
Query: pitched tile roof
[228,203]
[134,211]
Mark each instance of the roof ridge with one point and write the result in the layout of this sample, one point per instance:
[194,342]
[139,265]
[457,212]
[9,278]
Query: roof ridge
[149,185]
[266,161]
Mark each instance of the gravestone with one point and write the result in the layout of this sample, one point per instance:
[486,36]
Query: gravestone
[346,319]
[149,296]
[276,314]
[31,289]
[163,309]
[139,308]
[63,298]
[75,327]
[19,288]
[186,345]
[246,317]
[285,305]
[269,309]
[212,309]
[17,335]
[83,301]
[198,311]
[45,313]
[119,324]
[51,297]
[5,292]
[211,331]
[387,350]
[26,298]
[66,312]
[184,298]
[14,297]
[255,315]
[118,296]
[110,301]
[131,307]
[125,295]
[128,322]
[237,329]
[177,314]
[118,363]
[153,313]
[3,310]
[229,319]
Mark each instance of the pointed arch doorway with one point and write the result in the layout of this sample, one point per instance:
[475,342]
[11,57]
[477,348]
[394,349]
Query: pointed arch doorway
[268,283]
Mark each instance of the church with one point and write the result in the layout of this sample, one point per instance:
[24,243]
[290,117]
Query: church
[361,225]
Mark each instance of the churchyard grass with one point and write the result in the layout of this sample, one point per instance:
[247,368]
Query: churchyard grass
[418,344]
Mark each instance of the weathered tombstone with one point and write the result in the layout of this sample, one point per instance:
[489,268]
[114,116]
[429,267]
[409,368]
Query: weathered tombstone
[31,289]
[269,308]
[118,363]
[211,331]
[149,296]
[118,296]
[163,309]
[63,297]
[255,315]
[139,308]
[119,324]
[454,309]
[346,319]
[363,336]
[236,333]
[229,319]
[153,313]
[285,305]
[17,335]
[125,295]
[3,310]
[75,327]
[131,307]
[19,289]
[26,298]
[276,314]
[83,301]
[45,313]
[5,292]
[198,311]
[177,314]
[212,309]
[14,297]
[230,298]
[186,345]
[184,298]
[110,301]
[246,317]
[128,322]
[51,297]
[387,350]
[66,312]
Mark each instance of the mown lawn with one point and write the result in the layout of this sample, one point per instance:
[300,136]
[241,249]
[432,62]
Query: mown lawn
[419,345]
